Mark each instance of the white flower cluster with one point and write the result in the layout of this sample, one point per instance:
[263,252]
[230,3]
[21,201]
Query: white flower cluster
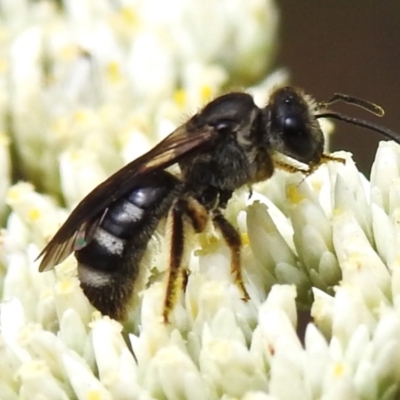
[333,233]
[90,85]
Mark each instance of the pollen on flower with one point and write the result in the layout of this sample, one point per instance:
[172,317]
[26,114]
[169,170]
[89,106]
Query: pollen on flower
[338,370]
[316,185]
[337,211]
[114,72]
[206,93]
[245,238]
[34,214]
[128,15]
[180,97]
[208,242]
[81,116]
[93,395]
[14,193]
[66,285]
[293,194]
[69,52]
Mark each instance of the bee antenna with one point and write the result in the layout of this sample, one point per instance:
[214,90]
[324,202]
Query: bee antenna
[360,122]
[364,104]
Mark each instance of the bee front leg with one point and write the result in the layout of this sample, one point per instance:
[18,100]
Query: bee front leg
[234,242]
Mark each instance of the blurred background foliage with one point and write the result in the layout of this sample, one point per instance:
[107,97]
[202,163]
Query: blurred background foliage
[350,47]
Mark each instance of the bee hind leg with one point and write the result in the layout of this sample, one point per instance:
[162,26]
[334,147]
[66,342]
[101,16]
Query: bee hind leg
[176,237]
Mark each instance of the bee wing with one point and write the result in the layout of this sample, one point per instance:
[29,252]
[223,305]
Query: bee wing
[74,234]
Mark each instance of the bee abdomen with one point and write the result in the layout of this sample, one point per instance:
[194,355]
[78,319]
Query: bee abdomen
[109,264]
[104,249]
[122,218]
[130,212]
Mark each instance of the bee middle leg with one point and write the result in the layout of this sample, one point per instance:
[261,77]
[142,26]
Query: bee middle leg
[177,275]
[234,242]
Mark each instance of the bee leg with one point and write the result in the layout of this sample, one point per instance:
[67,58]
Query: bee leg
[198,217]
[329,157]
[325,158]
[234,242]
[291,167]
[176,237]
[197,213]
[178,276]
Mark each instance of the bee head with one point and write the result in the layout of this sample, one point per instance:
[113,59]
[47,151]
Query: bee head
[291,126]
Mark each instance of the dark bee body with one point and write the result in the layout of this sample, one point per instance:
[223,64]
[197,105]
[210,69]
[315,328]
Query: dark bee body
[110,258]
[231,142]
[235,160]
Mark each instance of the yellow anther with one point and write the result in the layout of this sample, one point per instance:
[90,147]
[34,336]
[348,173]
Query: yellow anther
[338,370]
[34,214]
[245,238]
[14,193]
[65,285]
[180,97]
[206,93]
[81,116]
[93,395]
[114,71]
[128,15]
[294,195]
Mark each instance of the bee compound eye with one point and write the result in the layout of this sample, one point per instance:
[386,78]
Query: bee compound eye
[292,125]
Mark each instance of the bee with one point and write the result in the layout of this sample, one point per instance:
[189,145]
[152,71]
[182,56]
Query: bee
[229,143]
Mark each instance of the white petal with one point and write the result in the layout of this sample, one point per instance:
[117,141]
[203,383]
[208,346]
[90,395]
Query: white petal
[82,379]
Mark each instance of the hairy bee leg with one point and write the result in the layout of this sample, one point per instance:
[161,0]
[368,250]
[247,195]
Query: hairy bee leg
[197,213]
[178,276]
[177,242]
[324,159]
[291,168]
[311,168]
[328,157]
[198,217]
[234,242]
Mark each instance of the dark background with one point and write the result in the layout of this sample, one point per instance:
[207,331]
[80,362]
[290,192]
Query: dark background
[347,46]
